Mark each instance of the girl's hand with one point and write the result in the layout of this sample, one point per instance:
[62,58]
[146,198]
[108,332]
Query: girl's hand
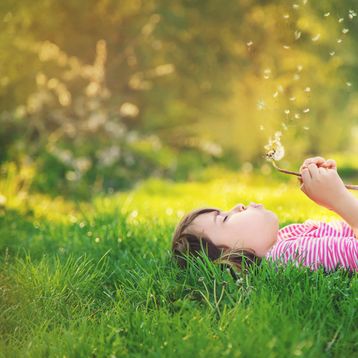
[322,184]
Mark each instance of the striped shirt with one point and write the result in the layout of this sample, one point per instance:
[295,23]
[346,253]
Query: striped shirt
[315,243]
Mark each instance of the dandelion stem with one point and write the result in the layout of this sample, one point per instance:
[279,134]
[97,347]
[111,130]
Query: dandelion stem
[348,186]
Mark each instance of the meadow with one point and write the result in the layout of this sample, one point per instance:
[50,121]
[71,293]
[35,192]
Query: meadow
[96,279]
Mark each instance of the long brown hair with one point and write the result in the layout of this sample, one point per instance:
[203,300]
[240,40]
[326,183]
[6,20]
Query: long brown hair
[188,243]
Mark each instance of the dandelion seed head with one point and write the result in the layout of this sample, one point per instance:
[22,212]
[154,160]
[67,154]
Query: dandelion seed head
[274,149]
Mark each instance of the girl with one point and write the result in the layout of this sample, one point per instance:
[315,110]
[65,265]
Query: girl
[252,232]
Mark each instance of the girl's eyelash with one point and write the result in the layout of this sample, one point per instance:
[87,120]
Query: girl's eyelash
[226,217]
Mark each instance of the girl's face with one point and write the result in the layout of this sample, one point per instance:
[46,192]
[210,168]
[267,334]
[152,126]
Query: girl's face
[242,227]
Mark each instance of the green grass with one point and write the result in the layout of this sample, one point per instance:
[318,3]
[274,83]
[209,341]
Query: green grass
[96,279]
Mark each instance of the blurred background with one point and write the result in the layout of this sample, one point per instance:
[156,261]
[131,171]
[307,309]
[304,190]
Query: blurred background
[97,95]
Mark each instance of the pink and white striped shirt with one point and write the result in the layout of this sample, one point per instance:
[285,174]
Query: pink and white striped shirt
[315,243]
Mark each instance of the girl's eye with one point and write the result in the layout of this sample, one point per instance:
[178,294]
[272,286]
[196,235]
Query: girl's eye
[226,217]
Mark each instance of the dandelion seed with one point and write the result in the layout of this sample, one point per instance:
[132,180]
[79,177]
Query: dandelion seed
[280,88]
[296,77]
[297,34]
[284,126]
[344,31]
[316,38]
[297,116]
[304,2]
[339,41]
[286,47]
[262,127]
[267,73]
[275,94]
[97,239]
[286,16]
[295,6]
[299,68]
[341,19]
[327,14]
[349,84]
[287,111]
[250,43]
[201,279]
[306,110]
[352,14]
[307,89]
[332,53]
[261,105]
[292,98]
[306,128]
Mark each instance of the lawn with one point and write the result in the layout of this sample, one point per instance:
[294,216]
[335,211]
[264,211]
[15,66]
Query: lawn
[96,279]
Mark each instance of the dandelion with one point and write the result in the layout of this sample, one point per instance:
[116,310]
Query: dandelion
[297,34]
[344,31]
[327,14]
[316,38]
[307,89]
[306,110]
[274,149]
[332,53]
[261,105]
[97,240]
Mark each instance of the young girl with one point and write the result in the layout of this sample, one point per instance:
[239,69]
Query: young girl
[252,232]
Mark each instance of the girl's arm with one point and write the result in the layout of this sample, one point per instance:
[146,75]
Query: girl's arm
[324,186]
